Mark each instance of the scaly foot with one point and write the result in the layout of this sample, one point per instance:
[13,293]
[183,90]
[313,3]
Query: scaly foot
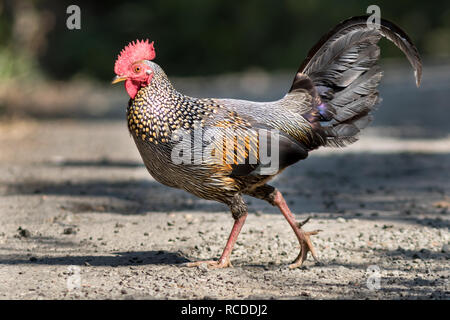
[305,245]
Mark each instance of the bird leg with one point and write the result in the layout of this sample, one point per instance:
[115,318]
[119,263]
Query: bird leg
[224,260]
[302,236]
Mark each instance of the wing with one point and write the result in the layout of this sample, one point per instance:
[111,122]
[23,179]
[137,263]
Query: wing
[241,145]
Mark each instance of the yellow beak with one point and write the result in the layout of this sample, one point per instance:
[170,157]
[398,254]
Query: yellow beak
[118,79]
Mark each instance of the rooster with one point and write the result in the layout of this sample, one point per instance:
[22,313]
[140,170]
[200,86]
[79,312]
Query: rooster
[331,99]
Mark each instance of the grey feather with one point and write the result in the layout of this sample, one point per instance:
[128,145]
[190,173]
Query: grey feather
[342,66]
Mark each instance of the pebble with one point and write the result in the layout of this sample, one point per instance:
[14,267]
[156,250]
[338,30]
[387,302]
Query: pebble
[24,232]
[69,230]
[203,267]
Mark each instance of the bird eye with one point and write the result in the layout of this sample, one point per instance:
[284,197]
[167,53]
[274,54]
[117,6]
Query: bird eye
[137,69]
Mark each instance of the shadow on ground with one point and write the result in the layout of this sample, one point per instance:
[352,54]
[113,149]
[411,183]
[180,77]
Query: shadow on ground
[172,258]
[356,185]
[115,260]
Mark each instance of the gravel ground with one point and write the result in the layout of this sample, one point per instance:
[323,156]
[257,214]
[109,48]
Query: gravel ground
[90,210]
[82,219]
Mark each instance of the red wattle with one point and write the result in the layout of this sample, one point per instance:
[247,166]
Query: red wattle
[132,87]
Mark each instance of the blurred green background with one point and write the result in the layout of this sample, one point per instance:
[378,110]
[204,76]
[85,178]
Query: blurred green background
[196,37]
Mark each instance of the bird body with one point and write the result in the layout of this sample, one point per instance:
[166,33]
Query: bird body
[158,111]
[220,141]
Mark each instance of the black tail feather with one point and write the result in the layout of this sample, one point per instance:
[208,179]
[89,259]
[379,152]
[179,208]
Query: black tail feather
[342,66]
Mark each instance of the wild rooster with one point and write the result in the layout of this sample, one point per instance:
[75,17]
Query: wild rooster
[331,99]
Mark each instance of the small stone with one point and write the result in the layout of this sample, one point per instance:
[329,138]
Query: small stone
[203,267]
[341,220]
[123,291]
[69,230]
[24,232]
[442,204]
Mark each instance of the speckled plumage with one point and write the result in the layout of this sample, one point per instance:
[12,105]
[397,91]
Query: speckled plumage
[158,110]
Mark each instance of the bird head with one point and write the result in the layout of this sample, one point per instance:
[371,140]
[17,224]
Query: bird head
[134,67]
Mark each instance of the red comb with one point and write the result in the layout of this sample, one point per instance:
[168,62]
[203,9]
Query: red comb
[141,50]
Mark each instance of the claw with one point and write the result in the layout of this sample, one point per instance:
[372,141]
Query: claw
[302,236]
[305,247]
[302,223]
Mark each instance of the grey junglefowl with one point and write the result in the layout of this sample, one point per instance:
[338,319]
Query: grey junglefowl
[331,99]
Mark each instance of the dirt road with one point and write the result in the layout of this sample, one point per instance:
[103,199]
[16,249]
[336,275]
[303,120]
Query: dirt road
[81,218]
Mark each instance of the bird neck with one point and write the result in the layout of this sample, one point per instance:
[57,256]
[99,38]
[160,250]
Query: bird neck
[158,110]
